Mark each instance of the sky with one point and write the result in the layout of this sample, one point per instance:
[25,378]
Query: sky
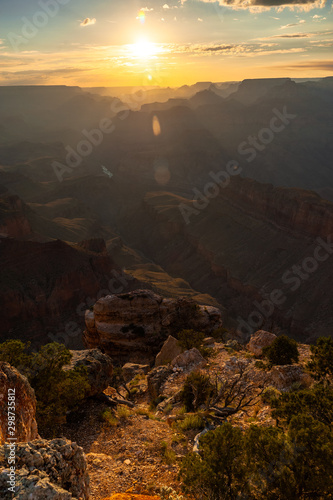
[168,43]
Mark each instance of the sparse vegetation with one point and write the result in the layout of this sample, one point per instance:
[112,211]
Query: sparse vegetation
[109,417]
[270,394]
[191,422]
[123,412]
[167,493]
[168,455]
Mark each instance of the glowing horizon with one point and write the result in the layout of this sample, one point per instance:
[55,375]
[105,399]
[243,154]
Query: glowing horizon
[164,43]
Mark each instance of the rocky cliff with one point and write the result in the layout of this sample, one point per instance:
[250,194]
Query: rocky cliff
[296,210]
[132,326]
[12,383]
[13,219]
[45,288]
[248,242]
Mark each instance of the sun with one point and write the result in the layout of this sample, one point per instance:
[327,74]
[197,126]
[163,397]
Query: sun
[143,49]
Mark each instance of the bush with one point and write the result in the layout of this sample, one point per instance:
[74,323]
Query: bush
[188,339]
[219,471]
[109,417]
[316,402]
[262,463]
[321,363]
[270,394]
[57,391]
[282,351]
[168,455]
[191,422]
[196,391]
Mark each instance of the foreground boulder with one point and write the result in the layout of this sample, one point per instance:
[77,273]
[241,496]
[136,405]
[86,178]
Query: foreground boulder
[260,340]
[133,326]
[46,470]
[156,379]
[189,360]
[284,376]
[25,404]
[170,350]
[99,368]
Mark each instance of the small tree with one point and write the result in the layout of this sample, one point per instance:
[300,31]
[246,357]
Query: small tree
[188,339]
[196,391]
[316,402]
[321,363]
[282,351]
[219,472]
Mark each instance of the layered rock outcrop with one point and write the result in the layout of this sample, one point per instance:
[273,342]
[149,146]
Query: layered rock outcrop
[13,383]
[133,326]
[46,470]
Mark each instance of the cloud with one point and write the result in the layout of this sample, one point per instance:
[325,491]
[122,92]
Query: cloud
[261,5]
[218,48]
[294,35]
[241,50]
[292,24]
[310,65]
[298,35]
[87,21]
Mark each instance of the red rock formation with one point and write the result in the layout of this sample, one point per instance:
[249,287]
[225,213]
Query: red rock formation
[133,326]
[13,383]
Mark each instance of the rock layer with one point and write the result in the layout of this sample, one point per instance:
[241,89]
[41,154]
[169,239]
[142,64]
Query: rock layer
[133,326]
[47,470]
[25,404]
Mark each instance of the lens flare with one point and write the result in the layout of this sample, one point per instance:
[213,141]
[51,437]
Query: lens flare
[142,16]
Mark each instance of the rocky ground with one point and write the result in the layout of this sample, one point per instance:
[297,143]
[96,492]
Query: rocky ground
[138,450]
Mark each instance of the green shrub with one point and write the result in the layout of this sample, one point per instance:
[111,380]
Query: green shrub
[316,402]
[262,463]
[219,471]
[57,391]
[191,422]
[168,455]
[321,363]
[109,417]
[270,394]
[261,365]
[188,339]
[282,351]
[196,390]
